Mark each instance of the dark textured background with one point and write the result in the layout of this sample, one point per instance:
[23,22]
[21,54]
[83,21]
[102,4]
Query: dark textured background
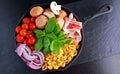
[101,34]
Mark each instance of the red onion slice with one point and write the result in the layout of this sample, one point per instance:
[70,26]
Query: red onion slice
[36,65]
[28,57]
[40,57]
[33,59]
[24,59]
[28,50]
[32,66]
[20,49]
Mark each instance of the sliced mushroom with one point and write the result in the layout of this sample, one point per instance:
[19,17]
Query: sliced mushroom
[60,21]
[49,14]
[62,14]
[55,8]
[41,21]
[36,11]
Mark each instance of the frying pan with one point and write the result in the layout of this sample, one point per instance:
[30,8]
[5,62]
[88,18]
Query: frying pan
[101,11]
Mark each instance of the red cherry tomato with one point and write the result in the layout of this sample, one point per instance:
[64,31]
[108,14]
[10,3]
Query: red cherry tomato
[26,20]
[29,34]
[17,29]
[23,32]
[32,26]
[26,42]
[31,47]
[19,38]
[25,26]
[32,19]
[31,40]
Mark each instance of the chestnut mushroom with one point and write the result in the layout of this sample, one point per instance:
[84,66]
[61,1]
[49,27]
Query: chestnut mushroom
[62,14]
[41,21]
[60,21]
[47,9]
[49,14]
[36,11]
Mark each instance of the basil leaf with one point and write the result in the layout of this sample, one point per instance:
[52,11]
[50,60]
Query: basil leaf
[57,51]
[66,41]
[55,46]
[39,33]
[50,25]
[51,36]
[46,42]
[61,35]
[39,44]
[57,29]
[46,50]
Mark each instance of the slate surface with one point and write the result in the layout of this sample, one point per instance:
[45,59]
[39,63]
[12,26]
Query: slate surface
[101,34]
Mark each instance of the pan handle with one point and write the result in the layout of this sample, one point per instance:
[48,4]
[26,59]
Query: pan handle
[103,10]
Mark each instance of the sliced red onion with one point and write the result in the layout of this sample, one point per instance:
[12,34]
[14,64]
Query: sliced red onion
[24,59]
[34,60]
[32,66]
[20,49]
[28,50]
[41,58]
[28,57]
[36,65]
[25,50]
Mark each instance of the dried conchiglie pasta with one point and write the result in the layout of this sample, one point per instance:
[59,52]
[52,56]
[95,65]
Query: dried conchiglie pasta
[54,61]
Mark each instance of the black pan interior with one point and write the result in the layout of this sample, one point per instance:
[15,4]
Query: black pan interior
[27,14]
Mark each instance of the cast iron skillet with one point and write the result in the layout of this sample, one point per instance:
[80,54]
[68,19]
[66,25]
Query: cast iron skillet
[101,11]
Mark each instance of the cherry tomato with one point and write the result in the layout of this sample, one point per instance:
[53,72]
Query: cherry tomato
[32,19]
[23,32]
[26,42]
[29,34]
[31,40]
[25,26]
[31,47]
[32,26]
[19,38]
[26,20]
[17,29]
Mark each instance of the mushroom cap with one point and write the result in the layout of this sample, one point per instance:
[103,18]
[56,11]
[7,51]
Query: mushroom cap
[36,11]
[62,14]
[41,21]
[47,9]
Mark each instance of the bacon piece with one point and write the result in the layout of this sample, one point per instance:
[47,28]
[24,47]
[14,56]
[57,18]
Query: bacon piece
[72,28]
